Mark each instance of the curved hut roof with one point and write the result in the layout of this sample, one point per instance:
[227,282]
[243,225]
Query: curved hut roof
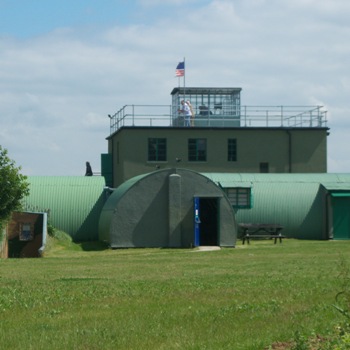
[157,210]
[73,203]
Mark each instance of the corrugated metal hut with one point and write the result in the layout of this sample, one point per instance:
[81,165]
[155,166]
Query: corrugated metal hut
[309,206]
[73,203]
[168,208]
[182,208]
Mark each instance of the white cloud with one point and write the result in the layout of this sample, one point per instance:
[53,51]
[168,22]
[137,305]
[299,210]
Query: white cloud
[57,89]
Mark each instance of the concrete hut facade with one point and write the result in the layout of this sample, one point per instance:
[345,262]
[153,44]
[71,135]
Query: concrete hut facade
[168,208]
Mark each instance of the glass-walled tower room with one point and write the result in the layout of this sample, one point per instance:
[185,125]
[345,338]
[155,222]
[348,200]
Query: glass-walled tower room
[212,106]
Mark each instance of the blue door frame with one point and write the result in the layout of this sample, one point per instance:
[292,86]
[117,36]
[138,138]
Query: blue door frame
[197,222]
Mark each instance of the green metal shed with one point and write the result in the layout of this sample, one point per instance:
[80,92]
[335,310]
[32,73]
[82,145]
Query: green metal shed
[73,203]
[309,206]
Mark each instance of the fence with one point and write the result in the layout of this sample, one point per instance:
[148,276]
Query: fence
[250,116]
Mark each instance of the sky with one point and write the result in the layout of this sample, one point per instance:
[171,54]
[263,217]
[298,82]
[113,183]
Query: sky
[65,65]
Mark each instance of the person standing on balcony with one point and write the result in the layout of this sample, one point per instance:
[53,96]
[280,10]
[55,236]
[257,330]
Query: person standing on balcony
[185,110]
[192,112]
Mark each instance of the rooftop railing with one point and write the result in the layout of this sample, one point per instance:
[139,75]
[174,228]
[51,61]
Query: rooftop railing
[247,116]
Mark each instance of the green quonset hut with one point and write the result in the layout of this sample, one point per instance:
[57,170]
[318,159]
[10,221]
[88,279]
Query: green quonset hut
[73,203]
[309,206]
[168,208]
[183,208]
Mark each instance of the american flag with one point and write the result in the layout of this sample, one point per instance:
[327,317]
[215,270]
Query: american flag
[180,69]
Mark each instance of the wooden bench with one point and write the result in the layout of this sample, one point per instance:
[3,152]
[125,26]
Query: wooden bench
[271,231]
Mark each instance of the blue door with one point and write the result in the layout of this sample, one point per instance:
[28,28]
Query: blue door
[197,222]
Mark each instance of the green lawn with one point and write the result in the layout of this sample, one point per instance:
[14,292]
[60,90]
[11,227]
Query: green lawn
[246,297]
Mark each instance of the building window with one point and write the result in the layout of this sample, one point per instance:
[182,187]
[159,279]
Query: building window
[156,149]
[264,167]
[26,232]
[197,150]
[239,197]
[231,150]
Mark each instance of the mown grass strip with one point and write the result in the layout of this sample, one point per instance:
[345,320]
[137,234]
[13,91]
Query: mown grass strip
[241,298]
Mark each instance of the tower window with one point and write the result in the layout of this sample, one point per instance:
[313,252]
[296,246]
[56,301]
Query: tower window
[197,150]
[264,167]
[156,149]
[232,150]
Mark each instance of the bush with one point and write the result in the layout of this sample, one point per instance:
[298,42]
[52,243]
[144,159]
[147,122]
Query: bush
[13,186]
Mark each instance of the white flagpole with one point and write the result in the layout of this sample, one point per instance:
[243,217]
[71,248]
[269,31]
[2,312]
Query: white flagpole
[184,80]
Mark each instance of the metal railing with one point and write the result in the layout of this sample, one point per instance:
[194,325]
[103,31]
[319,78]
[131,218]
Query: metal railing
[141,115]
[250,116]
[283,116]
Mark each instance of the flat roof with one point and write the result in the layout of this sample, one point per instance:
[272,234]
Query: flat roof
[206,90]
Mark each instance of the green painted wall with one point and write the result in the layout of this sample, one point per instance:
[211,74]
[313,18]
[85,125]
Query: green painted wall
[297,150]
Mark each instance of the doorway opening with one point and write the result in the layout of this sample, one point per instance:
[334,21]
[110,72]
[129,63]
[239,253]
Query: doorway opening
[209,221]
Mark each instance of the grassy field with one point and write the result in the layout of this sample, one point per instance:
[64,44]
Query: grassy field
[248,297]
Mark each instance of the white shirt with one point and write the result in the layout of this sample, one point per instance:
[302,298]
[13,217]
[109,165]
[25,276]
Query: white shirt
[186,109]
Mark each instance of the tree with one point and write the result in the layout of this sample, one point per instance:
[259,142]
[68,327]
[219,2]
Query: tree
[13,186]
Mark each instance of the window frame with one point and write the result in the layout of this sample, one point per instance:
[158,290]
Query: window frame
[264,167]
[232,150]
[197,150]
[160,155]
[239,197]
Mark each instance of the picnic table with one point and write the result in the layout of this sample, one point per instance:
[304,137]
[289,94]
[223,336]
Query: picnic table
[272,231]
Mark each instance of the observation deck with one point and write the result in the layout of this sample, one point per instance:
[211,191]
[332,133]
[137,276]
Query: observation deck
[248,116]
[220,108]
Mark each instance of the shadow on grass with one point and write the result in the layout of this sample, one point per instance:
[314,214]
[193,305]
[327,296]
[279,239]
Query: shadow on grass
[93,246]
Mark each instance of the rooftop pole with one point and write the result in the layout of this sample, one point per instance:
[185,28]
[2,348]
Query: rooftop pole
[184,80]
